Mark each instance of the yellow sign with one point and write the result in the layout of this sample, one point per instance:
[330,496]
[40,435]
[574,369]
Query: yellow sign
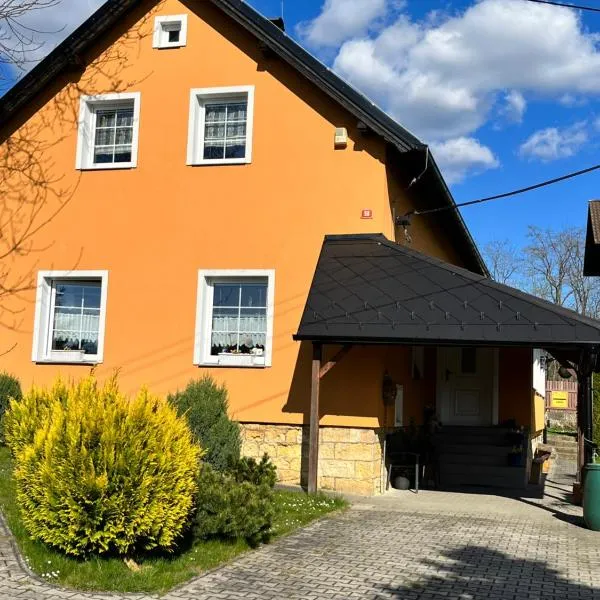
[559,400]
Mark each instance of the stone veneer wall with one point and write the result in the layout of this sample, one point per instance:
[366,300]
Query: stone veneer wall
[350,459]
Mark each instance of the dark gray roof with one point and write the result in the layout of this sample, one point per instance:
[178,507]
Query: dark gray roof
[591,263]
[68,57]
[367,289]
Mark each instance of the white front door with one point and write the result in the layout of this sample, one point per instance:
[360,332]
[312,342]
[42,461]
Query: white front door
[465,386]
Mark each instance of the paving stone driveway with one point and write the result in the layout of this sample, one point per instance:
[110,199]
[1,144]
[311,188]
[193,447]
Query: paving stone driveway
[431,546]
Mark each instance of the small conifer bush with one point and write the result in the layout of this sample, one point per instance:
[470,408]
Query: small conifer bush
[102,473]
[231,509]
[204,403]
[9,388]
[253,471]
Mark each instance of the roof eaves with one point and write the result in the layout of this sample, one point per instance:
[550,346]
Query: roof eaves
[65,55]
[314,70]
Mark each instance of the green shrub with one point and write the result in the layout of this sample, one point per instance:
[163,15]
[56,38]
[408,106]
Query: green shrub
[226,508]
[102,473]
[258,473]
[9,388]
[205,404]
[26,415]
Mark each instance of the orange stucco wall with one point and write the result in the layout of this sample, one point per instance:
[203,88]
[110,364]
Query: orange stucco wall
[538,413]
[515,385]
[154,226]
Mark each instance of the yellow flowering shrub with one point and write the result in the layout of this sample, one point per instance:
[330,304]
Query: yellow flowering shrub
[98,472]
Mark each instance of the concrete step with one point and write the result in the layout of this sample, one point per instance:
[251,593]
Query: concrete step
[561,439]
[473,430]
[499,460]
[451,447]
[559,442]
[489,439]
[569,455]
[483,475]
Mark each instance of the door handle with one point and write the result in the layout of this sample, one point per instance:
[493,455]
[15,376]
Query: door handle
[448,373]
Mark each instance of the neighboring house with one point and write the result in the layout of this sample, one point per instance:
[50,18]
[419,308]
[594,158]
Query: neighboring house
[216,201]
[591,262]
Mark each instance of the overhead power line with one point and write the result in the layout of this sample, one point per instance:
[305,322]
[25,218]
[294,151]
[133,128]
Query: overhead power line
[576,6]
[507,194]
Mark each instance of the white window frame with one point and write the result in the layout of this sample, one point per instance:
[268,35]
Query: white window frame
[204,305]
[88,105]
[198,98]
[162,26]
[42,348]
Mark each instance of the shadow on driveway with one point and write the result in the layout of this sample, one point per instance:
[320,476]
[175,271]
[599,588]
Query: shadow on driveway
[476,572]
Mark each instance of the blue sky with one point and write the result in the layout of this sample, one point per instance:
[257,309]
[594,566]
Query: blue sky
[506,92]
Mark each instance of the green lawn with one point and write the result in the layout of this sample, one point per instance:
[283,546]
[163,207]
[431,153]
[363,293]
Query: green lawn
[157,573]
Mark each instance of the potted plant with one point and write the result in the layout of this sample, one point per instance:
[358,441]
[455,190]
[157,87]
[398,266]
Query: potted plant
[515,456]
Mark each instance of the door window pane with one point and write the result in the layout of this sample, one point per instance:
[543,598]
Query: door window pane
[468,361]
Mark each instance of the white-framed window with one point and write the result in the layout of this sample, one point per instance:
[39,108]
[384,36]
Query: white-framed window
[108,131]
[70,317]
[220,126]
[234,318]
[170,31]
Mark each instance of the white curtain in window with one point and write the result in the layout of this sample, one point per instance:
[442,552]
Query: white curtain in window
[67,321]
[252,330]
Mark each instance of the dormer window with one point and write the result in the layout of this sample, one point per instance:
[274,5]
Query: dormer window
[170,31]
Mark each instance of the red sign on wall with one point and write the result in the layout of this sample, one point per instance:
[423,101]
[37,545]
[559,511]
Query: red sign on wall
[366,213]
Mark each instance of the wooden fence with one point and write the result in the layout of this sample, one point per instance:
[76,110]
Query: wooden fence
[566,387]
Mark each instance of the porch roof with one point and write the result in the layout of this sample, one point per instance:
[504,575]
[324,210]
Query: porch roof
[367,289]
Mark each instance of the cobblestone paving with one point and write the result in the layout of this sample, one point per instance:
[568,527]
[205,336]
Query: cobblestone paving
[373,551]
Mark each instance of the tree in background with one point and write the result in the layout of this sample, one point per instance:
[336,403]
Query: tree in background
[550,266]
[504,261]
[19,43]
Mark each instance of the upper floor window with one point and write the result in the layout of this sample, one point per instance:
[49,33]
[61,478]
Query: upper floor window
[234,325]
[70,316]
[108,131]
[170,31]
[220,128]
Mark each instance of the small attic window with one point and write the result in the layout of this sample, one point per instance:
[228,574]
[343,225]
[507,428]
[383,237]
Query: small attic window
[170,31]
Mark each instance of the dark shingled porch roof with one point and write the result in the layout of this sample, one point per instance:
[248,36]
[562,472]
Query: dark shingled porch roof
[367,289]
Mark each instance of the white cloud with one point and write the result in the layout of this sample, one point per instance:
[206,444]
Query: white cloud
[340,20]
[459,156]
[514,108]
[442,77]
[553,142]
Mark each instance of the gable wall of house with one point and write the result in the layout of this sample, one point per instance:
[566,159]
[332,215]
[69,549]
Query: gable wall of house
[153,227]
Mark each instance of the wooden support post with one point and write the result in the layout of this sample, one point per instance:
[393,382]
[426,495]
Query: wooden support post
[313,437]
[334,361]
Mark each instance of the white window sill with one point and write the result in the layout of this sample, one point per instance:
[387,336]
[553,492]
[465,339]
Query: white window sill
[105,166]
[66,361]
[166,46]
[247,361]
[220,161]
[70,358]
